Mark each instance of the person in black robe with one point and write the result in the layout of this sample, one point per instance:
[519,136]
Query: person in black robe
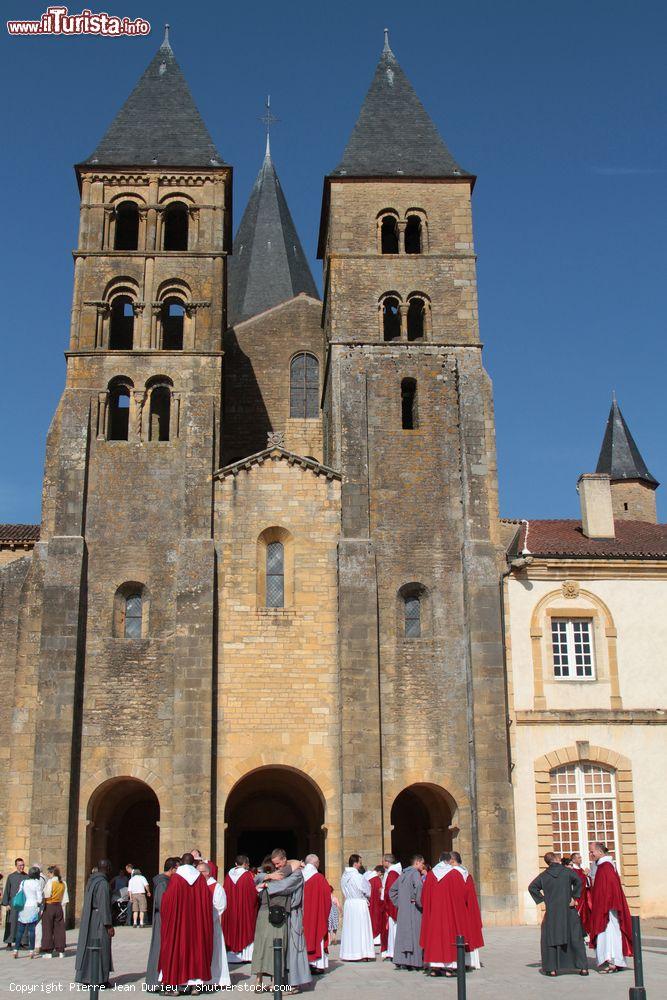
[96,924]
[562,936]
[12,886]
[160,883]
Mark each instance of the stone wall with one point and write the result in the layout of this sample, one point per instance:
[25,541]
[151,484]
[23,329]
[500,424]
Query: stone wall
[258,353]
[277,667]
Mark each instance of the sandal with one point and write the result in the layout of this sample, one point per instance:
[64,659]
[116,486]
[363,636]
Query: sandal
[583,972]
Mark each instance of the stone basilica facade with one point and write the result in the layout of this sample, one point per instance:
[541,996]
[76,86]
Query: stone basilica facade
[268,601]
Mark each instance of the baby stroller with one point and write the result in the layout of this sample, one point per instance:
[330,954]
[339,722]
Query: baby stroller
[119,905]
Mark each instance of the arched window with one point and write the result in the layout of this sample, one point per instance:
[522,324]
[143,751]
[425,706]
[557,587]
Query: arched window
[133,616]
[121,326]
[118,410]
[130,611]
[176,227]
[275,575]
[416,318]
[413,624]
[583,807]
[126,236]
[159,413]
[391,318]
[412,610]
[389,234]
[413,234]
[304,388]
[408,404]
[173,323]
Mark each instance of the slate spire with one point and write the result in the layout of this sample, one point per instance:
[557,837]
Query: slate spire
[394,135]
[159,122]
[268,265]
[619,456]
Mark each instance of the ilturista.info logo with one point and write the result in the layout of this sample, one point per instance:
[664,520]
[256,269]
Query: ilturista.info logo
[59,21]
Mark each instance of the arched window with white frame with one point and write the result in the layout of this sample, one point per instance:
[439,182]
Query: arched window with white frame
[583,807]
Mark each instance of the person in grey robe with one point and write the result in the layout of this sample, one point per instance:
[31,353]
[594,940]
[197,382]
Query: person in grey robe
[562,936]
[406,895]
[12,886]
[160,883]
[96,924]
[288,892]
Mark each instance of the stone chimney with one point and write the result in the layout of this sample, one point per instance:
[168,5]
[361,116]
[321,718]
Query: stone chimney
[597,514]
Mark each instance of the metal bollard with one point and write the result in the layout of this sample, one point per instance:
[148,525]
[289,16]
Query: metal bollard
[460,967]
[277,967]
[637,992]
[94,949]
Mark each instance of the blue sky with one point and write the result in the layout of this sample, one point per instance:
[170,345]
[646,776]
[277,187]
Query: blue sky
[558,108]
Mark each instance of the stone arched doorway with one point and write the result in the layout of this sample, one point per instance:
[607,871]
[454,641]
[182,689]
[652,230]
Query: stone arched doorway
[422,822]
[123,825]
[274,807]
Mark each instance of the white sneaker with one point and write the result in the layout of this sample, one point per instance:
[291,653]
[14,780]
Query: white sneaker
[61,954]
[47,954]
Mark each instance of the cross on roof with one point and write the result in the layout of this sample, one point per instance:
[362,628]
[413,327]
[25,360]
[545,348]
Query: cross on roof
[268,119]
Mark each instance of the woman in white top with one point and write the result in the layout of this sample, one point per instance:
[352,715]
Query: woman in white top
[31,911]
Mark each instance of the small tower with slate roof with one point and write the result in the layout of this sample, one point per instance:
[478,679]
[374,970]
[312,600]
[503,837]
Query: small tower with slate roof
[408,418]
[273,346]
[632,485]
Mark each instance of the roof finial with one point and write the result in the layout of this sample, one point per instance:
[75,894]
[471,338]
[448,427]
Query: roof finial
[613,395]
[166,34]
[386,41]
[268,119]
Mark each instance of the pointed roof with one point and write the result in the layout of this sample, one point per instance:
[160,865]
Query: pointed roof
[619,455]
[394,134]
[268,265]
[159,123]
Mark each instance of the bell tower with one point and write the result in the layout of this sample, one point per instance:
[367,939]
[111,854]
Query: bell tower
[126,550]
[408,419]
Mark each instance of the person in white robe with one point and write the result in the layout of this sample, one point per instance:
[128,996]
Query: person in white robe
[219,967]
[356,942]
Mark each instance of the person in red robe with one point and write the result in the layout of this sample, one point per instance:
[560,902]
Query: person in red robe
[610,924]
[186,935]
[240,917]
[474,936]
[437,934]
[389,912]
[374,878]
[316,910]
[584,901]
[449,908]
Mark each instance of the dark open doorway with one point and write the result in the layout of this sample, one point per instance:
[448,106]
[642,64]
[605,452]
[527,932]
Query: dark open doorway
[421,821]
[274,807]
[123,816]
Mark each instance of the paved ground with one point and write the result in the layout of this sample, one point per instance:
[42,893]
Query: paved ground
[511,964]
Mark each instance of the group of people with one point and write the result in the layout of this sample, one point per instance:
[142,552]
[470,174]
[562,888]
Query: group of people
[200,926]
[35,910]
[413,914]
[582,904]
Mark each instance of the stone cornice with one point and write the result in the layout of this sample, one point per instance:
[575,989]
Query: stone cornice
[551,568]
[593,716]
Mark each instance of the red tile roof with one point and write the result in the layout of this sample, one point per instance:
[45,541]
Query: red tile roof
[634,540]
[10,533]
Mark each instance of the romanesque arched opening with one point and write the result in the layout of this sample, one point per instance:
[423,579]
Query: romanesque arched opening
[274,807]
[422,822]
[123,825]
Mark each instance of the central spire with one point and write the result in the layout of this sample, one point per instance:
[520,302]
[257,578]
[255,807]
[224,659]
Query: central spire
[268,265]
